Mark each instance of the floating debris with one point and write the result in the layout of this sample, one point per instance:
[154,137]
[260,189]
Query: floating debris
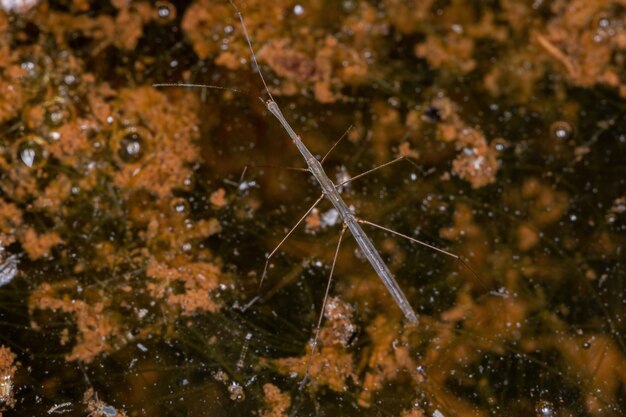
[8,270]
[60,408]
[8,367]
[98,408]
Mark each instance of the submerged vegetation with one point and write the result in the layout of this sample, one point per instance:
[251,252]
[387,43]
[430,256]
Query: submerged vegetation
[131,245]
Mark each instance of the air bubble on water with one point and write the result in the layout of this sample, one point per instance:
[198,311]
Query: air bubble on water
[544,409]
[28,156]
[561,130]
[180,206]
[30,151]
[298,10]
[131,143]
[70,79]
[165,11]
[58,111]
[456,28]
[499,145]
[28,66]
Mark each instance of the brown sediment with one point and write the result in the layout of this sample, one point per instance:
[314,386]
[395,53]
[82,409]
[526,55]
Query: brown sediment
[413,412]
[547,205]
[388,130]
[333,64]
[313,221]
[8,368]
[339,327]
[452,51]
[405,150]
[166,142]
[331,365]
[73,147]
[39,245]
[476,161]
[584,37]
[388,358]
[286,62]
[55,193]
[464,224]
[471,239]
[199,280]
[597,360]
[617,210]
[97,407]
[527,236]
[218,198]
[277,402]
[98,326]
[10,221]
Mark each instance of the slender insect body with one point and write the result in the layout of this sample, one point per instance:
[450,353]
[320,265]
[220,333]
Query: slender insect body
[332,194]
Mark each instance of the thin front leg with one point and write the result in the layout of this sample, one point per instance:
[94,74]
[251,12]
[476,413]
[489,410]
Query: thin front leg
[318,329]
[268,257]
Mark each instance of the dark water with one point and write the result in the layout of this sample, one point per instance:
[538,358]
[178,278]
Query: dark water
[140,242]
